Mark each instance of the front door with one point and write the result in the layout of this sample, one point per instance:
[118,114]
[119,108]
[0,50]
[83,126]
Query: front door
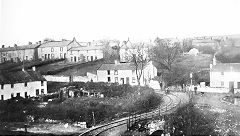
[127,80]
[231,87]
[75,59]
[122,80]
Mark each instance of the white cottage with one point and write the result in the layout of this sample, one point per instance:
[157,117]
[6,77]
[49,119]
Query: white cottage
[22,83]
[225,75]
[124,73]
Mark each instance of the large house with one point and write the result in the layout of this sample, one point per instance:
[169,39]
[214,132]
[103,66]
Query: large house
[23,83]
[125,73]
[19,53]
[85,53]
[56,49]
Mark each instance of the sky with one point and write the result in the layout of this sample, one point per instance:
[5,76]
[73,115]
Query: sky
[24,21]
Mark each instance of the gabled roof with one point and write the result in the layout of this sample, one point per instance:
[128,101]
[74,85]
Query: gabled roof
[226,67]
[84,48]
[120,66]
[55,44]
[20,77]
[24,47]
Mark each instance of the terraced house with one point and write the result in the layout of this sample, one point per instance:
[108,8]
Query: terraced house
[19,53]
[25,83]
[125,73]
[90,52]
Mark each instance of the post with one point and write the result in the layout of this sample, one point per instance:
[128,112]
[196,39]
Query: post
[25,126]
[93,119]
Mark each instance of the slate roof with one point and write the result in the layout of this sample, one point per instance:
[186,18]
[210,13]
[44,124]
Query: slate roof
[120,66]
[84,48]
[55,44]
[226,67]
[24,47]
[20,77]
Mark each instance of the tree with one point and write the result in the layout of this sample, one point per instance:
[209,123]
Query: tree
[187,45]
[139,58]
[165,53]
[111,52]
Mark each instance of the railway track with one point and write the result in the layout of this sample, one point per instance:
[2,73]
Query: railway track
[168,105]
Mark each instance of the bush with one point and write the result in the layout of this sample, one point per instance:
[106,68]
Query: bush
[188,120]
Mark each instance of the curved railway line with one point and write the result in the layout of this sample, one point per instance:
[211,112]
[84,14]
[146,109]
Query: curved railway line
[169,105]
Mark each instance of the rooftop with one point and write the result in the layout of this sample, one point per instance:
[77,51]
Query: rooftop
[32,46]
[226,67]
[20,77]
[119,66]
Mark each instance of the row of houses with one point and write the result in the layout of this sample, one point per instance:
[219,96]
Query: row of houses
[29,83]
[71,50]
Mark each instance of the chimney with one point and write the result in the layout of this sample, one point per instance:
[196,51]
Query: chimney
[30,43]
[33,68]
[39,43]
[116,62]
[2,46]
[15,45]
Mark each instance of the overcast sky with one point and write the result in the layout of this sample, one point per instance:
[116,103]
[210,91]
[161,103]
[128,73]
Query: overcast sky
[33,20]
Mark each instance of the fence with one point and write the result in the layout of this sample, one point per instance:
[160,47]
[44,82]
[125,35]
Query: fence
[57,78]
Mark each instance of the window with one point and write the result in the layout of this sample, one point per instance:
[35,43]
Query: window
[42,91]
[52,56]
[108,72]
[87,58]
[71,59]
[25,84]
[48,56]
[95,57]
[109,79]
[41,83]
[12,95]
[45,56]
[60,55]
[37,92]
[26,57]
[115,72]
[133,79]
[52,49]
[2,86]
[116,79]
[12,85]
[222,73]
[133,72]
[18,94]
[61,48]
[26,96]
[2,97]
[222,83]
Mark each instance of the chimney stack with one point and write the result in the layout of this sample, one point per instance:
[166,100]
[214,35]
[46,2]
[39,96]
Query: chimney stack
[30,43]
[15,45]
[39,43]
[34,68]
[2,46]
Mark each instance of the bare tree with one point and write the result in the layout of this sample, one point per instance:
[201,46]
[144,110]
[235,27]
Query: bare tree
[139,57]
[165,53]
